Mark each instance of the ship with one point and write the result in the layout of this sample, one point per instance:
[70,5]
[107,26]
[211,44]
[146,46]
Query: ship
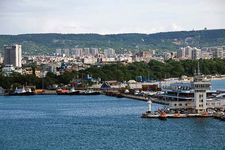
[22,92]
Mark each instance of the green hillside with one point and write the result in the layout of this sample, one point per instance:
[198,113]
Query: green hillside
[170,41]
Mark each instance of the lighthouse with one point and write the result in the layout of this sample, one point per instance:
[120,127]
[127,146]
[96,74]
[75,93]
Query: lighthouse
[149,105]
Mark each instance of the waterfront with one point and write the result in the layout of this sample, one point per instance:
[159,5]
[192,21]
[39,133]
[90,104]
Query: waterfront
[98,122]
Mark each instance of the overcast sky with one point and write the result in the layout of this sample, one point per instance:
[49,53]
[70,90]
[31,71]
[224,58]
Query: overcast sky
[109,16]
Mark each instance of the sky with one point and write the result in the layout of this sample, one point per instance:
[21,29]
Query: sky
[109,16]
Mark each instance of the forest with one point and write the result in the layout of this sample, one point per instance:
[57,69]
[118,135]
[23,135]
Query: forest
[165,41]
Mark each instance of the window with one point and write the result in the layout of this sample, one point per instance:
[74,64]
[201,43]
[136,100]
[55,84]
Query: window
[180,104]
[175,104]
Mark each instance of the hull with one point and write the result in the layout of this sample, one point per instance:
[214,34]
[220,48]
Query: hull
[90,93]
[22,94]
[69,93]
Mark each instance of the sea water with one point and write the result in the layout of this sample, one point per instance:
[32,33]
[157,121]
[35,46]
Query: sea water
[98,122]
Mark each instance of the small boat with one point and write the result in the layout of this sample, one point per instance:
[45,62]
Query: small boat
[72,91]
[22,92]
[162,115]
[90,92]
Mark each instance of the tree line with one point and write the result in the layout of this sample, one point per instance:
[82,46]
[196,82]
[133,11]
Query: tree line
[153,70]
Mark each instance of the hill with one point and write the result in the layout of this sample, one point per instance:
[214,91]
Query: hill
[166,41]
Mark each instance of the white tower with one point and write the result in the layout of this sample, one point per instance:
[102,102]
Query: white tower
[149,105]
[200,86]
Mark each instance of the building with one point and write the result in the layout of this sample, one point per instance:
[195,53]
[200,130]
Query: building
[167,56]
[181,53]
[109,52]
[1,59]
[58,52]
[94,51]
[217,52]
[77,52]
[86,51]
[13,55]
[188,52]
[196,54]
[200,87]
[67,52]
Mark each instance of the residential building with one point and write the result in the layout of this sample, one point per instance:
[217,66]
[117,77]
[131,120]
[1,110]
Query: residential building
[67,52]
[196,54]
[58,52]
[77,52]
[109,52]
[13,55]
[188,52]
[218,52]
[94,51]
[181,53]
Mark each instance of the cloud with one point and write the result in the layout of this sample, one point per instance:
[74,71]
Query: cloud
[109,16]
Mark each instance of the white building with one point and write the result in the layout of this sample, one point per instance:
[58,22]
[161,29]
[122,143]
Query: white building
[188,52]
[94,51]
[58,52]
[77,52]
[200,86]
[13,55]
[181,53]
[196,54]
[1,59]
[86,51]
[218,52]
[67,52]
[167,56]
[109,52]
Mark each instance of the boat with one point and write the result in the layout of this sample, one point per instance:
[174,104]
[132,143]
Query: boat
[72,91]
[89,92]
[162,115]
[22,92]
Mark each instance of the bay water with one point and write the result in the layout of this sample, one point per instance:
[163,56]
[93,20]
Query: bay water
[98,122]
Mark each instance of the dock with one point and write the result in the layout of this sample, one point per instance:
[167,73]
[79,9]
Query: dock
[175,115]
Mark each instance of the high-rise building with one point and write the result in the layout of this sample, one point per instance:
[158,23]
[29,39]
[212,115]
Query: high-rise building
[109,52]
[67,52]
[196,54]
[77,52]
[13,55]
[94,51]
[181,53]
[58,52]
[217,52]
[188,52]
[86,51]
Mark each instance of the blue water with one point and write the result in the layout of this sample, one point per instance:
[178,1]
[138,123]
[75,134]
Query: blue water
[98,122]
[218,84]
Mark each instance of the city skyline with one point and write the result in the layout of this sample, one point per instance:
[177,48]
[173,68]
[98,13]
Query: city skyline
[109,17]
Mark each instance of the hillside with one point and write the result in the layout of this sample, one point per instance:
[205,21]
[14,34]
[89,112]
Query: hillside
[47,43]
